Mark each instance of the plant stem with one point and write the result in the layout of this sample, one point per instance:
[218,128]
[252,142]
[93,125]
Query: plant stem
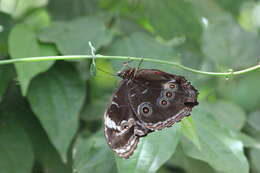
[78,57]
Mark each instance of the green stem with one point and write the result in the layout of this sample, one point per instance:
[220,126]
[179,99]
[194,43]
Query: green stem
[77,57]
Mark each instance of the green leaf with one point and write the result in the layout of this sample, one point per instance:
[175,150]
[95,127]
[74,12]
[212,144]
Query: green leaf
[56,98]
[143,45]
[226,44]
[190,165]
[230,6]
[96,108]
[7,73]
[16,151]
[197,166]
[126,25]
[38,19]
[244,92]
[73,37]
[218,148]
[254,120]
[93,155]
[15,147]
[20,7]
[247,140]
[44,152]
[228,114]
[48,156]
[5,26]
[189,130]
[255,158]
[58,8]
[171,18]
[152,152]
[22,44]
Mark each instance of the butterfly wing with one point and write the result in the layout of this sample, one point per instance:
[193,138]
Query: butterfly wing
[121,127]
[160,99]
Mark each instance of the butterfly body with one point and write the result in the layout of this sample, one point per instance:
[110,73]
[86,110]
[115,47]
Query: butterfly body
[146,100]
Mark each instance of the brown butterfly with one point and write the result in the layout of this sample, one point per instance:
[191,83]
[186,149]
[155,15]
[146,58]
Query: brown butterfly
[146,100]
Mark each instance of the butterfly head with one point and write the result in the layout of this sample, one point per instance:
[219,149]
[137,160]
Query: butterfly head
[127,74]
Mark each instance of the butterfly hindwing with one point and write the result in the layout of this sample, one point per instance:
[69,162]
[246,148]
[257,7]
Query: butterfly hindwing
[122,131]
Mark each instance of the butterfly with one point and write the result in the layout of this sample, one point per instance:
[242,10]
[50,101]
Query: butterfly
[146,100]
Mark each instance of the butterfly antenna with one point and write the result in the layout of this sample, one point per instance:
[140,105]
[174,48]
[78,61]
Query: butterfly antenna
[140,63]
[104,71]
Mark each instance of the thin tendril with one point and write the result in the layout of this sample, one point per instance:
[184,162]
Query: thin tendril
[78,57]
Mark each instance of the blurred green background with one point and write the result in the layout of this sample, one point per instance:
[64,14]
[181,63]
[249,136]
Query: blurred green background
[51,113]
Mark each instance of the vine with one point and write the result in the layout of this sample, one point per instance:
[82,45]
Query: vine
[78,57]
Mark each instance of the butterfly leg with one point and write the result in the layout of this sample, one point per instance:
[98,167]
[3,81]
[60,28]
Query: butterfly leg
[126,64]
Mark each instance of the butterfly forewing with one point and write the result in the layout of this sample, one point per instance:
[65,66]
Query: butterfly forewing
[159,99]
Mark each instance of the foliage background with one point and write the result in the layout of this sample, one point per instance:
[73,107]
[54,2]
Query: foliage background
[51,112]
